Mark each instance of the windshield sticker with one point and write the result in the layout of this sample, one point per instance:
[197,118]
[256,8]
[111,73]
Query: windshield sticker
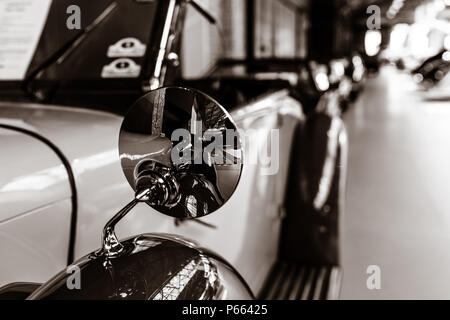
[22,22]
[127,47]
[121,68]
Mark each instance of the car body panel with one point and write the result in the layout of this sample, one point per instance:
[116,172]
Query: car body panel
[34,246]
[30,170]
[248,225]
[34,187]
[440,92]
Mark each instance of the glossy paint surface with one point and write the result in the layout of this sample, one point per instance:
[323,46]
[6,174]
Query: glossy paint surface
[32,175]
[33,188]
[151,267]
[34,246]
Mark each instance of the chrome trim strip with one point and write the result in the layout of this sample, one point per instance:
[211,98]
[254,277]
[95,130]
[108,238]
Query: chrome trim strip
[297,284]
[320,283]
[259,105]
[308,285]
[164,39]
[334,286]
[329,165]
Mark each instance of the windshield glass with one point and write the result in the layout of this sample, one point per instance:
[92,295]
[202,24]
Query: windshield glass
[96,39]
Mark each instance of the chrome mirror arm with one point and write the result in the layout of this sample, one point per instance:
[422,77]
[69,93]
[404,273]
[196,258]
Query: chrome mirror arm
[111,246]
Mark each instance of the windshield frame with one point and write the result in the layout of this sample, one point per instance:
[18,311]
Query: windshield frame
[166,25]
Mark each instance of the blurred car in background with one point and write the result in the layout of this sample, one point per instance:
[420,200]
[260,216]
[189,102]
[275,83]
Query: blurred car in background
[432,70]
[440,91]
[372,63]
[357,72]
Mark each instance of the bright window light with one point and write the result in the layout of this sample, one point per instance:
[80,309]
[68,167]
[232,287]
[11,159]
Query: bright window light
[419,41]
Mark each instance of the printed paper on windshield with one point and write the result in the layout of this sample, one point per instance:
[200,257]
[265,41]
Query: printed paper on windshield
[21,24]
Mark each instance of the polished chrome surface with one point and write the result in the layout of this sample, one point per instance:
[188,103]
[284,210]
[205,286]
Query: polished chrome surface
[110,244]
[185,147]
[152,267]
[293,281]
[157,78]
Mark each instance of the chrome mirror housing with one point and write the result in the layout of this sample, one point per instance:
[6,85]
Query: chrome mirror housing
[184,147]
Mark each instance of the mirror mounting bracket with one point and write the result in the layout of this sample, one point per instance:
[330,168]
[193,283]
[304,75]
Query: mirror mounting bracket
[111,246]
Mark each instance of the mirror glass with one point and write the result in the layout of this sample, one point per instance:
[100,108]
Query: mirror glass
[184,148]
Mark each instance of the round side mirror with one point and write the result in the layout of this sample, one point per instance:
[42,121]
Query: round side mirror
[183,148]
[181,153]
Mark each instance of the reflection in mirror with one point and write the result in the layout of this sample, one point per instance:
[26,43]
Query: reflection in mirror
[184,148]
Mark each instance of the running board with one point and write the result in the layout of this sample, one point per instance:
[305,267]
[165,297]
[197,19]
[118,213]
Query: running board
[290,281]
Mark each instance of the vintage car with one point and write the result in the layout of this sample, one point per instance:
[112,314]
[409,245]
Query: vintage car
[65,181]
[432,70]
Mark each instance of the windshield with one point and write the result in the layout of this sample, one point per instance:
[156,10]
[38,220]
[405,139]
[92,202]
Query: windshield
[100,39]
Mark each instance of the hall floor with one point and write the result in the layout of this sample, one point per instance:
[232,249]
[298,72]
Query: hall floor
[398,192]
